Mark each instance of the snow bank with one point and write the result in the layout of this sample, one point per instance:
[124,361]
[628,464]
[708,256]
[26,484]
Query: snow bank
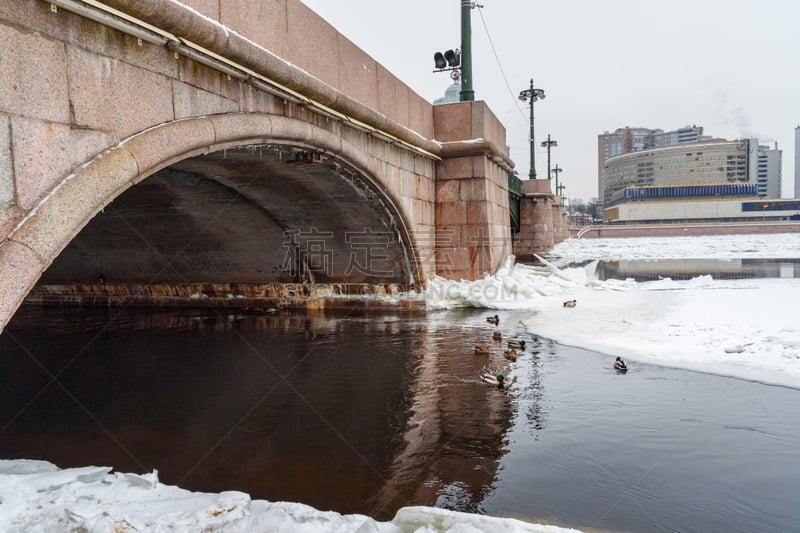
[36,496]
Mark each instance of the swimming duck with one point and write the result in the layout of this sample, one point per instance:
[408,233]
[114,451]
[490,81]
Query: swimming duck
[497,336]
[482,349]
[493,319]
[517,344]
[570,303]
[498,380]
[511,355]
[620,366]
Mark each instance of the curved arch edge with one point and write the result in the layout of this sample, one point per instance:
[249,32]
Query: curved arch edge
[58,217]
[17,261]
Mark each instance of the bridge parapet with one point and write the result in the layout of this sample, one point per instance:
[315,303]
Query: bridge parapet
[298,49]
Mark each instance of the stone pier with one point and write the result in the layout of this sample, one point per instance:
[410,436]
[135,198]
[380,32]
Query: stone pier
[473,235]
[543,220]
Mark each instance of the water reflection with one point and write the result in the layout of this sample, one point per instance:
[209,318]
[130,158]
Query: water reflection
[359,413]
[532,398]
[682,269]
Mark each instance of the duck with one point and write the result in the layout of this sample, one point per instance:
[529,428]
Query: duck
[497,336]
[570,303]
[482,349]
[511,355]
[620,365]
[498,380]
[491,379]
[493,319]
[517,344]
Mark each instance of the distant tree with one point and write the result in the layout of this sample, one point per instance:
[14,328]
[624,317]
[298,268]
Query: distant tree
[592,208]
[572,206]
[576,206]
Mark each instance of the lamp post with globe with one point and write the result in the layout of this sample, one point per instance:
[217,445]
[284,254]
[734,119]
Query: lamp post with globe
[549,143]
[532,95]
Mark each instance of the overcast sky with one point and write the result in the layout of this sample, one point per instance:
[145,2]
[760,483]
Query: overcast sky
[731,66]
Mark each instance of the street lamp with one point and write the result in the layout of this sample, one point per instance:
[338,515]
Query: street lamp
[532,95]
[557,171]
[548,144]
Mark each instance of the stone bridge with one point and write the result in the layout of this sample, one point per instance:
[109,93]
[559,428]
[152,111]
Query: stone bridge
[159,152]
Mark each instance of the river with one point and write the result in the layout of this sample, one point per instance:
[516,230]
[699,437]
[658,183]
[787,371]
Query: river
[366,412]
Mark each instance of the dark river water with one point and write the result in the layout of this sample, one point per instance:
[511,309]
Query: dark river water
[366,413]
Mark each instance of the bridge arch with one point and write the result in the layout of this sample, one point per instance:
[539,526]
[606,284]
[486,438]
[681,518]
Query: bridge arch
[158,89]
[183,146]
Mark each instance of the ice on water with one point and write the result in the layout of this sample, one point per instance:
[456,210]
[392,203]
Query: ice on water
[737,328]
[36,496]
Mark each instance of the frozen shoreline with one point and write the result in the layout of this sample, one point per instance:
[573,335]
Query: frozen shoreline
[736,328]
[36,496]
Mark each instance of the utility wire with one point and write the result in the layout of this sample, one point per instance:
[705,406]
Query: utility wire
[502,72]
[500,66]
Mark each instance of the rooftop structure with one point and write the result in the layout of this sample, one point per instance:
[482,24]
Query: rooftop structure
[451,94]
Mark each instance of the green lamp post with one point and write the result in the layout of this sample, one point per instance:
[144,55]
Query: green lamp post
[549,143]
[532,95]
[557,171]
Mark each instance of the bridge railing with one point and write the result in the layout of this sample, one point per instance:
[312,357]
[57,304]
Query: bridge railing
[515,185]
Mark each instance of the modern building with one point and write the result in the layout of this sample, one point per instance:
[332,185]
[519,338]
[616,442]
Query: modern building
[797,162]
[626,140]
[769,172]
[707,163]
[647,167]
[708,180]
[699,203]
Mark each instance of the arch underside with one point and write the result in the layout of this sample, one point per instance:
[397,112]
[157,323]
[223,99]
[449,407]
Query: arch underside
[232,222]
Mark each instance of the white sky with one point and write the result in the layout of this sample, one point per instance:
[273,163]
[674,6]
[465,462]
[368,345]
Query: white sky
[730,66]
